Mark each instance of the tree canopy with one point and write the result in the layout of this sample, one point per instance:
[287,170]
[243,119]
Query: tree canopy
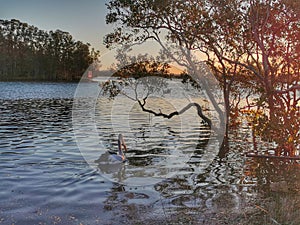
[255,43]
[28,53]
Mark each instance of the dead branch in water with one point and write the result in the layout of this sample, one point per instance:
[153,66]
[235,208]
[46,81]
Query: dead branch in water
[169,116]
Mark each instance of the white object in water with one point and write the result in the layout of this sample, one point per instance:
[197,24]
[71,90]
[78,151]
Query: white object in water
[119,156]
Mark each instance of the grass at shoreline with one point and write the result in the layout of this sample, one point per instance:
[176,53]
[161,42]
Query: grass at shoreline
[279,208]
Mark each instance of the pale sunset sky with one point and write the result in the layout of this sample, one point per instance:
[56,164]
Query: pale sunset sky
[84,20]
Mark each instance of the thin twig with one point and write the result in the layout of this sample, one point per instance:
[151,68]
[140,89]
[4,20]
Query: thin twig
[267,212]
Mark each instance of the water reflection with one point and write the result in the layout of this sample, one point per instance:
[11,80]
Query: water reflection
[42,172]
[273,174]
[157,148]
[45,180]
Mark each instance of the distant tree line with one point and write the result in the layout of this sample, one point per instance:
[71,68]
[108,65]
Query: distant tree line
[28,53]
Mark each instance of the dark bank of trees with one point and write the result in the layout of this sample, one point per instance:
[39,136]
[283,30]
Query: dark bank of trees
[28,53]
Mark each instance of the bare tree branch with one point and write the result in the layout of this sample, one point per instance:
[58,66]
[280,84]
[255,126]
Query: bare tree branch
[169,116]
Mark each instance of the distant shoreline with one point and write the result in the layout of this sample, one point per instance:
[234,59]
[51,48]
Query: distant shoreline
[44,81]
[40,80]
[37,81]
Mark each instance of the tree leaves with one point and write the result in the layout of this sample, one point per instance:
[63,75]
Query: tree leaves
[27,53]
[256,40]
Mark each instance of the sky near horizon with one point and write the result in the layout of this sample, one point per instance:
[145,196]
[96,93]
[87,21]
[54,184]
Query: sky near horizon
[84,20]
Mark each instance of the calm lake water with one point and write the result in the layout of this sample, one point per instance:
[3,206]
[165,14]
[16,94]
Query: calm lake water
[50,177]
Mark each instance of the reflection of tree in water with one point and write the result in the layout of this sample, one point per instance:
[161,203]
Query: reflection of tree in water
[274,174]
[220,194]
[187,199]
[277,181]
[133,206]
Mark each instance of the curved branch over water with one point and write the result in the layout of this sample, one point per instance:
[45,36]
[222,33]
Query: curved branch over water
[169,116]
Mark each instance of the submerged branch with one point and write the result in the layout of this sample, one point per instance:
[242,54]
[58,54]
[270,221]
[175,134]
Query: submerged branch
[169,116]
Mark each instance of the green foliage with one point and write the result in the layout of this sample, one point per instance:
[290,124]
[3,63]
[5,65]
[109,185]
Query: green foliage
[27,53]
[251,45]
[145,74]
